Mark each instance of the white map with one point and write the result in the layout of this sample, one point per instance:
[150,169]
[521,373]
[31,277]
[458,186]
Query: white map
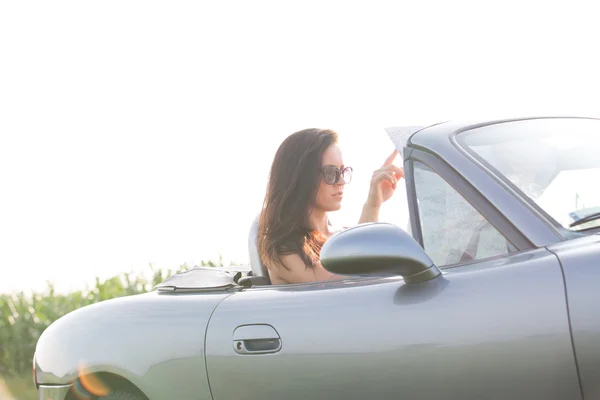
[400,135]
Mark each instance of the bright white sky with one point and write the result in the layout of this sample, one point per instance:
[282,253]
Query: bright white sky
[142,132]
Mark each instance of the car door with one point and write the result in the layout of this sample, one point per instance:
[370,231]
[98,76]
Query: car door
[493,326]
[580,259]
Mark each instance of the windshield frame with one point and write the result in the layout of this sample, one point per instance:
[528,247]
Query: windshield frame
[459,142]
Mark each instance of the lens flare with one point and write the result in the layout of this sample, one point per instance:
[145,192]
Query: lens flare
[90,383]
[79,391]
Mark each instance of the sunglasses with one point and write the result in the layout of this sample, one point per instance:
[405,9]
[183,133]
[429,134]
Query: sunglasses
[332,174]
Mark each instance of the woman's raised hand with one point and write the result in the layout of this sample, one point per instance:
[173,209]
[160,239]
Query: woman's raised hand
[384,182]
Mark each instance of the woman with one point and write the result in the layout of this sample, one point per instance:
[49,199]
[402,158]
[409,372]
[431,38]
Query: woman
[306,182]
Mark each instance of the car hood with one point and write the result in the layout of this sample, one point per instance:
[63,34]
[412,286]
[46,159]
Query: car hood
[129,336]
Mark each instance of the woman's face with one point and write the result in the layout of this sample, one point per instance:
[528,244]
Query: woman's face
[329,197]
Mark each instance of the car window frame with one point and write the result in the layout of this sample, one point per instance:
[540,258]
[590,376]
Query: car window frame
[468,192]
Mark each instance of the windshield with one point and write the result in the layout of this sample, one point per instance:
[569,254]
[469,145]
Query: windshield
[555,162]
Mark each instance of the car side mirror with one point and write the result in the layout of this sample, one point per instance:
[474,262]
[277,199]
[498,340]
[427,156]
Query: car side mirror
[377,248]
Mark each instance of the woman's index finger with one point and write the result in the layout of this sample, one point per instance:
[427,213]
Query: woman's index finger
[391,158]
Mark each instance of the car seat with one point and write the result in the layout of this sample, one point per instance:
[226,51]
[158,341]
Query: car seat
[260,273]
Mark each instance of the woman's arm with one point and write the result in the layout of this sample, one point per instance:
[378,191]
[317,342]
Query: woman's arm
[298,272]
[369,213]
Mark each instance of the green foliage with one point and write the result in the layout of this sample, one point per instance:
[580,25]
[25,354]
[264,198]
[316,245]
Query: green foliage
[24,318]
[18,388]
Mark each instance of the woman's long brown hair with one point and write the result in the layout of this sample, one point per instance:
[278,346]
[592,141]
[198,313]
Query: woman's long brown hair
[294,180]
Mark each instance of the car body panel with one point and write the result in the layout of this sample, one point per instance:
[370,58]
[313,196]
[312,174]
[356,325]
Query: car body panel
[156,341]
[496,329]
[580,259]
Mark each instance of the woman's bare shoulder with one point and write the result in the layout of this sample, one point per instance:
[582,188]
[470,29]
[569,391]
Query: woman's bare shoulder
[291,269]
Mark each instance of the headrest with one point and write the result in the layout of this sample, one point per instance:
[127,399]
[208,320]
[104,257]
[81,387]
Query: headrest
[258,268]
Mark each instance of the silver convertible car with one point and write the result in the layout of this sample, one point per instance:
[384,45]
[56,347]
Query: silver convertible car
[492,293]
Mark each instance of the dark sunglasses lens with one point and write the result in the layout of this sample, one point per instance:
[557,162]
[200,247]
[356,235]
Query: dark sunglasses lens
[330,174]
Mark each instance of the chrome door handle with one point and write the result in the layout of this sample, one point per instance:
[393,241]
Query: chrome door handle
[256,339]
